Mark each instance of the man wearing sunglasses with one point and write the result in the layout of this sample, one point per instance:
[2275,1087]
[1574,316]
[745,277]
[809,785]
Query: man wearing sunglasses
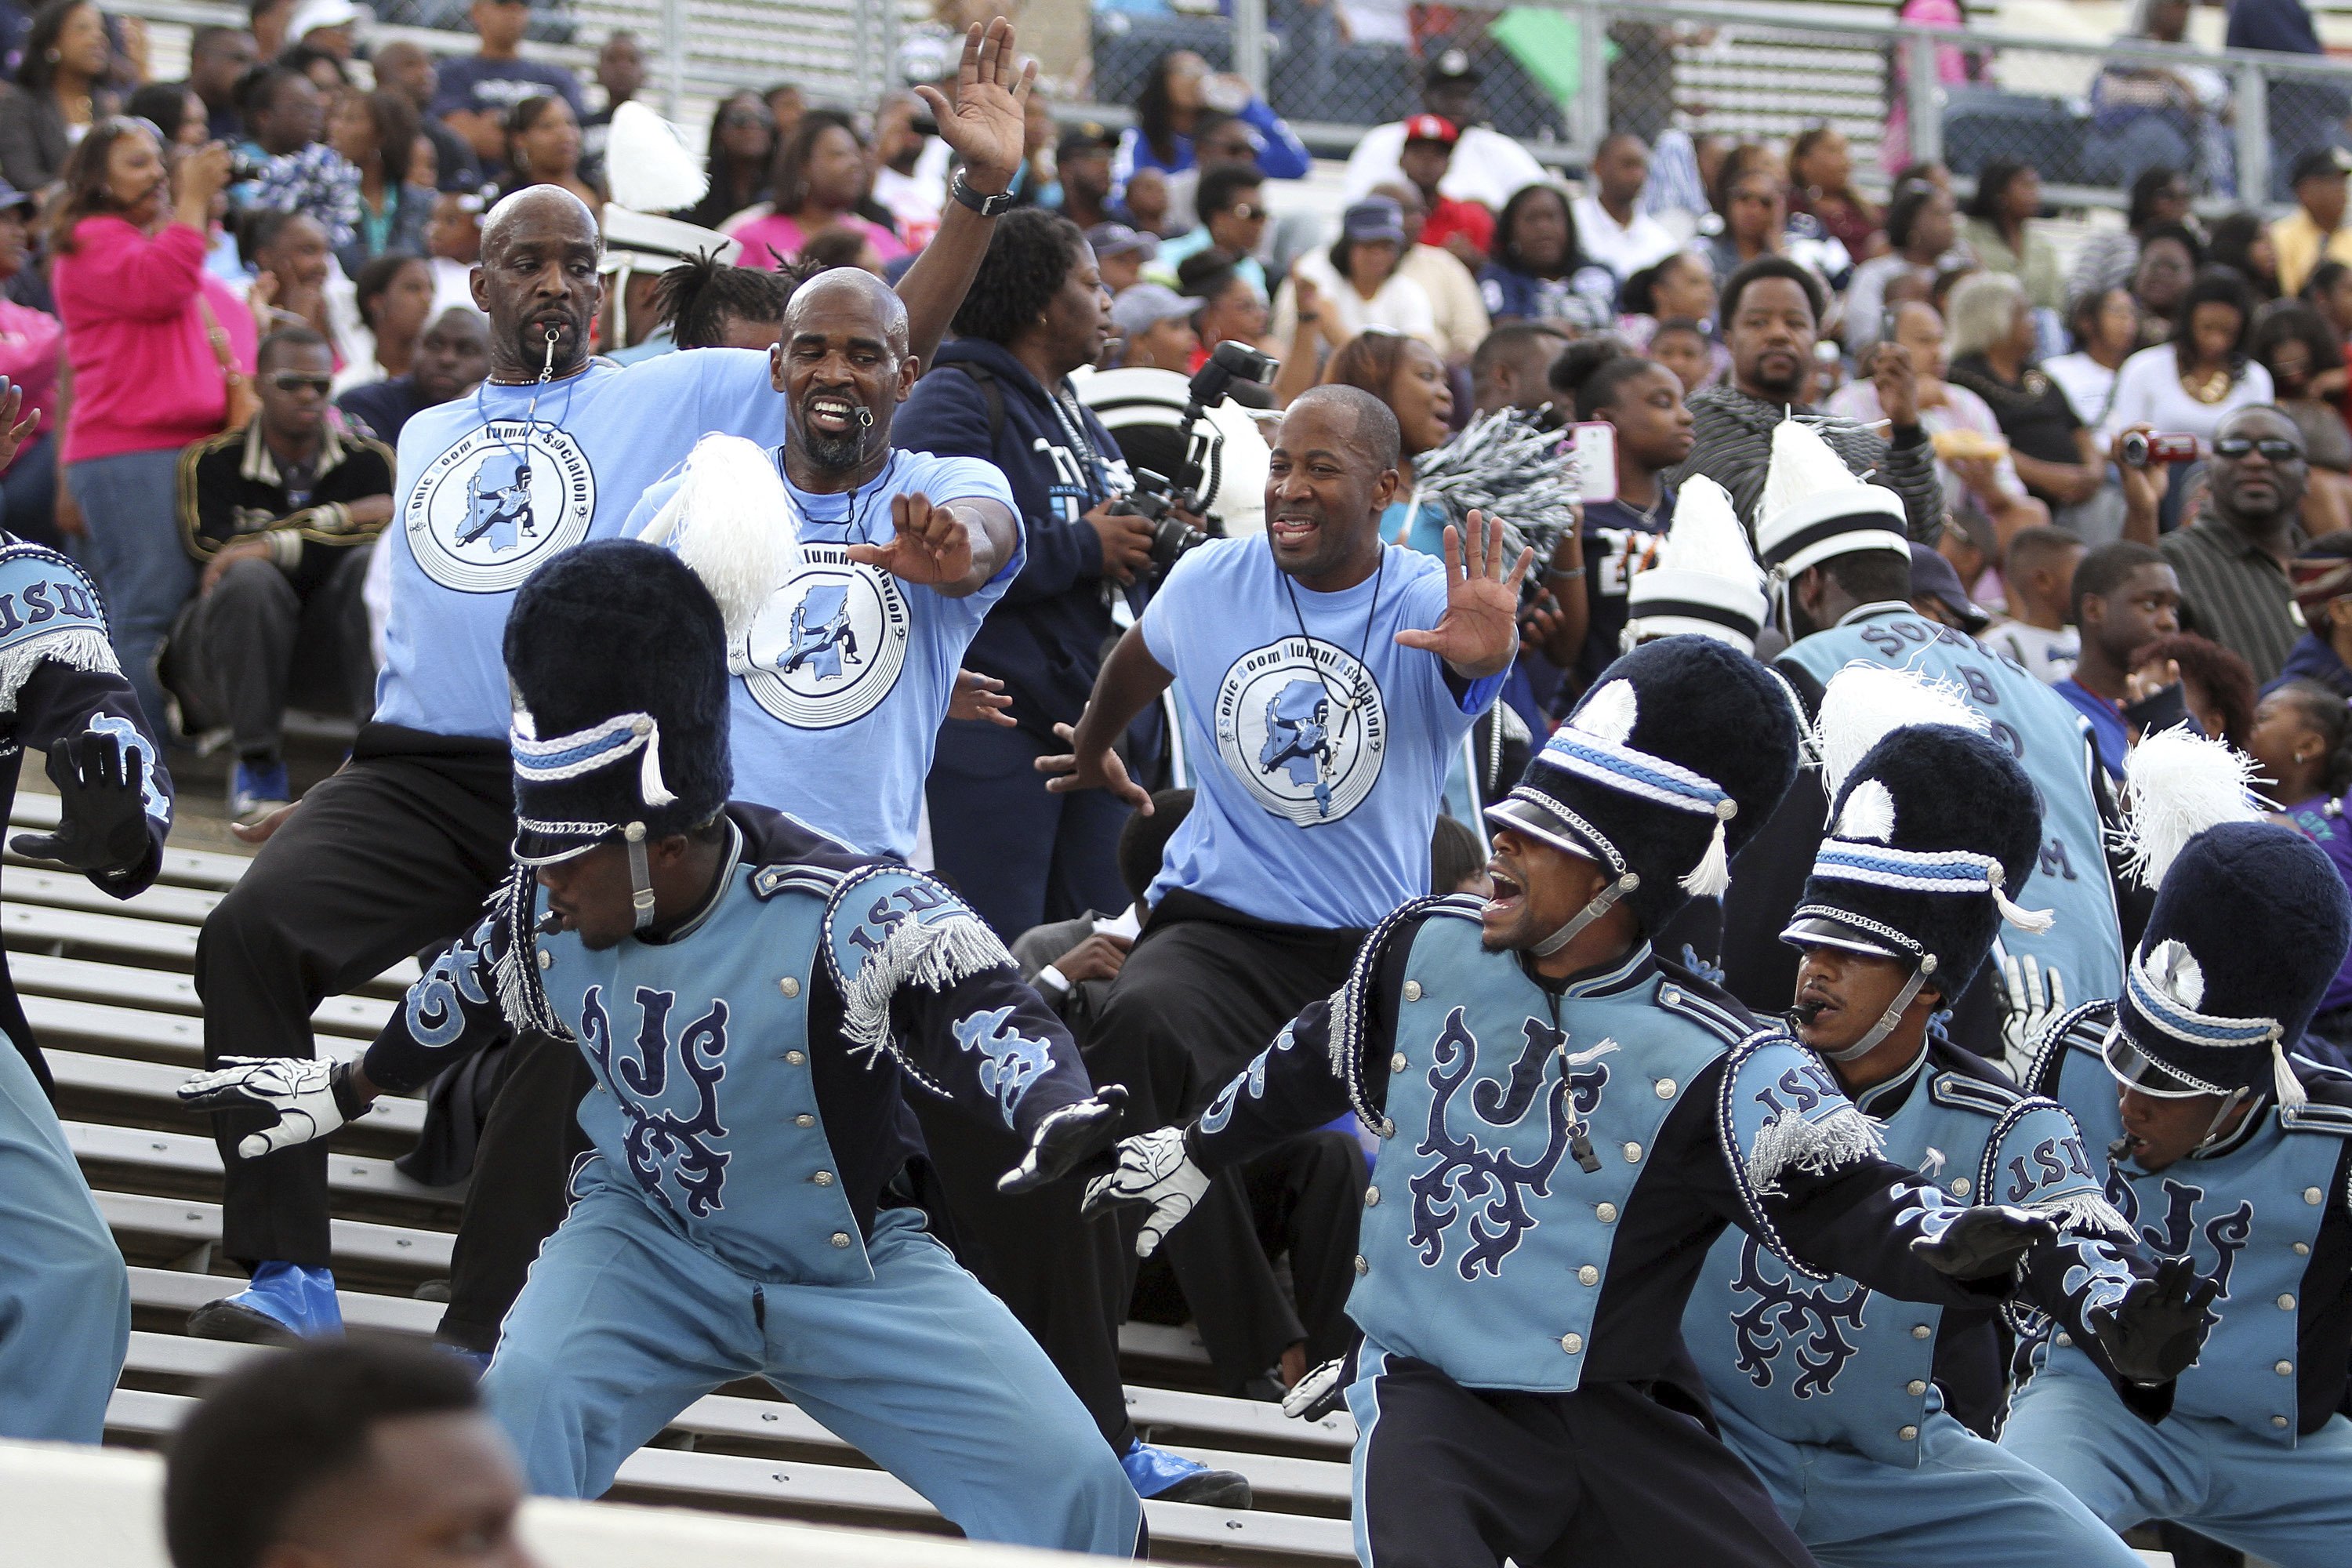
[280,516]
[1232,211]
[2233,559]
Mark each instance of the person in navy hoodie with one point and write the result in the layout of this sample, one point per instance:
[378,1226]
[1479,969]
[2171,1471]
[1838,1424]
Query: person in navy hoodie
[1000,390]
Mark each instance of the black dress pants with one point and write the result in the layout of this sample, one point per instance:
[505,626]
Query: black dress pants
[395,853]
[1448,1477]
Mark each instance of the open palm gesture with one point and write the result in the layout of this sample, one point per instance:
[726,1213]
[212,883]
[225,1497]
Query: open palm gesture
[984,125]
[1478,634]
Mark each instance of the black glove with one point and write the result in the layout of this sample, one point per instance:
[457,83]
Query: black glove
[1984,1242]
[1066,1137]
[2154,1332]
[102,823]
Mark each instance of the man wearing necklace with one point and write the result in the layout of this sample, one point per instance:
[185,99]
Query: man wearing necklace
[843,669]
[397,850]
[1324,680]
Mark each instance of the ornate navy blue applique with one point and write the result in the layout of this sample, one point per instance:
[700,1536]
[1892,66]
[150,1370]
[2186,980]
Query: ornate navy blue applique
[1812,1321]
[1467,1170]
[671,1154]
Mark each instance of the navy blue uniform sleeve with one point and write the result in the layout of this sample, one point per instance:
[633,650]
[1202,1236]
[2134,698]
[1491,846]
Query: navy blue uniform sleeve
[450,1014]
[70,686]
[948,415]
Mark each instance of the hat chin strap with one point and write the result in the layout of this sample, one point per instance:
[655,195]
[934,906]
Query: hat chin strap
[641,877]
[1603,903]
[1887,1021]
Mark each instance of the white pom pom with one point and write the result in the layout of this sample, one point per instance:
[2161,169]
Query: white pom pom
[1802,466]
[1609,713]
[2178,784]
[1864,703]
[2176,969]
[732,521]
[649,165]
[1868,813]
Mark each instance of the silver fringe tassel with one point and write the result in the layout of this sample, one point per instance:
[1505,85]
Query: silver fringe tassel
[1841,1138]
[2085,1211]
[934,956]
[83,648]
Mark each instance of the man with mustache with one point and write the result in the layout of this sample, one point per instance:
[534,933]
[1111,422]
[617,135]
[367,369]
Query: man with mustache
[1772,317]
[1567,1123]
[397,851]
[1295,846]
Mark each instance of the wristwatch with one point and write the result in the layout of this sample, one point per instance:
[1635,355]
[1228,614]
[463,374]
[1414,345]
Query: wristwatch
[986,206]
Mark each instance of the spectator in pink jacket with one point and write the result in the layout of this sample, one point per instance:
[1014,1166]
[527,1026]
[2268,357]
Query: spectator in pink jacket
[29,343]
[1953,65]
[146,332]
[820,182]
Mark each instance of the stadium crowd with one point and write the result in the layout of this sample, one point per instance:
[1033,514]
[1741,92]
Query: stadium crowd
[1189,585]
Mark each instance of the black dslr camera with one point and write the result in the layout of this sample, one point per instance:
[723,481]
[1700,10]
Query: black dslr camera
[1159,497]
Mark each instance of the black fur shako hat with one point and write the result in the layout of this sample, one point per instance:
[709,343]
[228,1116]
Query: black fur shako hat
[1670,764]
[1934,829]
[617,660]
[2250,925]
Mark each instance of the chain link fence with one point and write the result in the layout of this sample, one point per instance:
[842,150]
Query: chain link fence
[1559,76]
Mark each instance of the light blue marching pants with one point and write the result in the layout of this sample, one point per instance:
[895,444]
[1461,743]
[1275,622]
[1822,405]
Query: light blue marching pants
[2291,1506]
[1966,1501]
[65,1295]
[622,1324]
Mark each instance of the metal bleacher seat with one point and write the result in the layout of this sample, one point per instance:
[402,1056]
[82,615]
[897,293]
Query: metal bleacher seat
[106,986]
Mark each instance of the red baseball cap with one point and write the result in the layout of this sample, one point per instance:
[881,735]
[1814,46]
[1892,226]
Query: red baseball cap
[1431,128]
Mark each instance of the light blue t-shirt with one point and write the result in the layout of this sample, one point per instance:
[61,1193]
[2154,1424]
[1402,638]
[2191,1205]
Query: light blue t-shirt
[1330,741]
[483,502]
[840,687]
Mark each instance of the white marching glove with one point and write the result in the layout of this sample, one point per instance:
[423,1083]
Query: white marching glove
[311,1098]
[1153,1168]
[2033,996]
[1319,1393]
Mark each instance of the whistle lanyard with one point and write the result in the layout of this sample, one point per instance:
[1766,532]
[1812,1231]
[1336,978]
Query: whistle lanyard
[1348,704]
[530,412]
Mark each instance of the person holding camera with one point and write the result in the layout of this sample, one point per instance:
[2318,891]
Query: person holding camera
[1000,390]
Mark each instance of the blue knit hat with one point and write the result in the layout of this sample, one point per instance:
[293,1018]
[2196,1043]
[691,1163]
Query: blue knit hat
[2251,924]
[1670,764]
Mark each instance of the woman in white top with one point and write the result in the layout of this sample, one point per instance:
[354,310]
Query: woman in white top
[1357,282]
[1971,454]
[2106,325]
[2188,386]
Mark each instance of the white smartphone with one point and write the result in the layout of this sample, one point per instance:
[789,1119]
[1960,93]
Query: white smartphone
[1592,457]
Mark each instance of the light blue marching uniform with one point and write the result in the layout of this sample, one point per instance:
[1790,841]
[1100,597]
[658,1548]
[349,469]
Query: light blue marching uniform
[2048,738]
[840,685]
[492,487]
[1305,722]
[1830,1391]
[2254,1453]
[1514,1149]
[65,1297]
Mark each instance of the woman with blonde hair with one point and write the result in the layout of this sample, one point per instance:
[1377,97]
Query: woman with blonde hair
[1991,347]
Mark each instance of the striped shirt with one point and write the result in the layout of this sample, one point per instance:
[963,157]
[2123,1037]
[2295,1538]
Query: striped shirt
[2234,591]
[1732,442]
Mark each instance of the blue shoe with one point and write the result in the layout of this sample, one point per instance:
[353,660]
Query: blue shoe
[284,1303]
[1160,1476]
[257,789]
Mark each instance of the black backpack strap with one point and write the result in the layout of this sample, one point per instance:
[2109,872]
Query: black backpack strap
[989,389]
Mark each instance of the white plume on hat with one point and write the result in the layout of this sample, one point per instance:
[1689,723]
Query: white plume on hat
[1704,568]
[1864,703]
[1806,485]
[2178,784]
[732,521]
[649,166]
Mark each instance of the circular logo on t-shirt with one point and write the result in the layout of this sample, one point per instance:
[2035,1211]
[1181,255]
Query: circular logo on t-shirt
[504,498]
[1299,723]
[827,647]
